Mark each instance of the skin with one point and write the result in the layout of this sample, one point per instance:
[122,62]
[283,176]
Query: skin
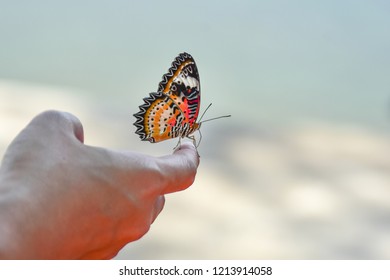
[62,199]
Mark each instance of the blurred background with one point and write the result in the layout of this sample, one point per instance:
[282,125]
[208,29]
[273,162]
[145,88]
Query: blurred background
[300,171]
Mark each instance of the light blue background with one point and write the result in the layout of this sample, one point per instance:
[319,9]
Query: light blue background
[275,61]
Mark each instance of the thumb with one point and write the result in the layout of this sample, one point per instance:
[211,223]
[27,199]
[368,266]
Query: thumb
[180,168]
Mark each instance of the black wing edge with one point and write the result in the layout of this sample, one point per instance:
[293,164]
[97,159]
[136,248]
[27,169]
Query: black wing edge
[140,116]
[175,64]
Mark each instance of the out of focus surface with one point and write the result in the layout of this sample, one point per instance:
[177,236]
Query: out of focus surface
[300,171]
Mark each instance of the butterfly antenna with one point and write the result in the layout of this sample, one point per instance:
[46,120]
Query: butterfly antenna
[220,117]
[205,111]
[201,117]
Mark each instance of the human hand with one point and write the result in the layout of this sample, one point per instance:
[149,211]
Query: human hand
[62,199]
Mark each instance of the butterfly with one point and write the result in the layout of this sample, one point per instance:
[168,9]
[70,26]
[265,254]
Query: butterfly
[173,110]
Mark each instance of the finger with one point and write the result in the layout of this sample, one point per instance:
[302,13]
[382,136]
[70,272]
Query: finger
[179,169]
[158,207]
[55,120]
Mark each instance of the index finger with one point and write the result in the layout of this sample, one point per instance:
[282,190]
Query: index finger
[179,168]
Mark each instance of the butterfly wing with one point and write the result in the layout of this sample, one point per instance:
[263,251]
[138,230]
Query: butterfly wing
[182,85]
[159,118]
[172,110]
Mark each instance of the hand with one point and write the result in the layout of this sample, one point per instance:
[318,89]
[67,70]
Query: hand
[62,199]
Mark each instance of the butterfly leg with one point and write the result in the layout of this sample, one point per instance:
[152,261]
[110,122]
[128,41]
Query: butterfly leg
[178,144]
[193,140]
[200,138]
[192,137]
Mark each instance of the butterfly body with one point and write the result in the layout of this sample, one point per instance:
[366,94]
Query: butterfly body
[172,111]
